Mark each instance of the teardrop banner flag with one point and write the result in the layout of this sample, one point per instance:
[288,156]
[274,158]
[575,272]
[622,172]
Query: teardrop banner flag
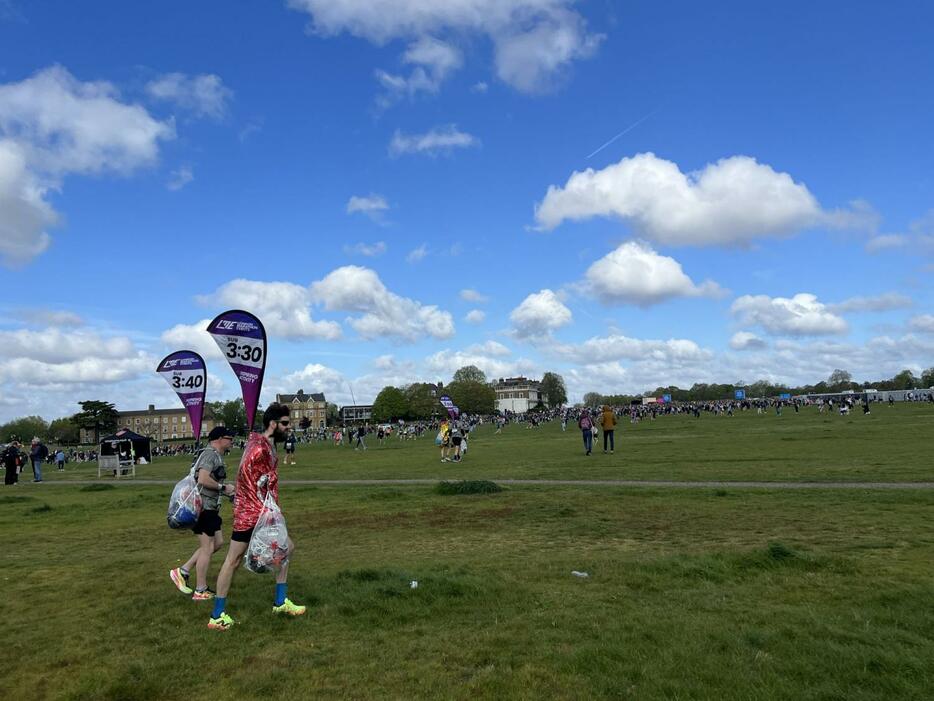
[187,374]
[449,405]
[242,339]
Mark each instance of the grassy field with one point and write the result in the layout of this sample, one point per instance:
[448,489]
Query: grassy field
[887,445]
[691,594]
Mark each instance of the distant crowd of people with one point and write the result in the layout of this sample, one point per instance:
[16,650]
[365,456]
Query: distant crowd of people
[452,433]
[15,457]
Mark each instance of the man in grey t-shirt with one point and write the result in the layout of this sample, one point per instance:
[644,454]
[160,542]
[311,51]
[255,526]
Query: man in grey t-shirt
[210,474]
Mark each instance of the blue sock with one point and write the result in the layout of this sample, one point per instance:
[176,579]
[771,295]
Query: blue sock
[219,604]
[281,590]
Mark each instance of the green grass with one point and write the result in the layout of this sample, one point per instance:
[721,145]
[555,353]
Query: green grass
[692,594]
[887,445]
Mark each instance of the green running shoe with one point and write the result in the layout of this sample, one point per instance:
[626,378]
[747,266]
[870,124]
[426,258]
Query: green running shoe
[222,622]
[289,608]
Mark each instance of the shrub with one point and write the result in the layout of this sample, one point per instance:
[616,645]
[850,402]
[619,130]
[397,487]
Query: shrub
[468,487]
[780,551]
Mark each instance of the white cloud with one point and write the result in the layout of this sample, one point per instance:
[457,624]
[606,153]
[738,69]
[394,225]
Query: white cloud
[475,316]
[50,317]
[254,126]
[203,95]
[67,126]
[371,205]
[617,347]
[192,337]
[650,363]
[445,363]
[52,345]
[923,225]
[370,250]
[802,315]
[540,313]
[470,295]
[417,254]
[534,41]
[384,314]
[433,62]
[438,140]
[636,274]
[732,201]
[283,307]
[492,348]
[180,178]
[918,241]
[744,340]
[384,362]
[315,377]
[886,242]
[24,213]
[52,358]
[479,87]
[922,322]
[881,303]
[52,125]
[29,371]
[530,60]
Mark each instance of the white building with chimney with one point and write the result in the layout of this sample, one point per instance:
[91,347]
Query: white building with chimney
[517,394]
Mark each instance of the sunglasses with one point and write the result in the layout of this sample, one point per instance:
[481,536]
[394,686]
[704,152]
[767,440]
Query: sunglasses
[283,423]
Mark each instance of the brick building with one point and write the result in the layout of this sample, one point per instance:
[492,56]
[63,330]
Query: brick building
[313,407]
[158,424]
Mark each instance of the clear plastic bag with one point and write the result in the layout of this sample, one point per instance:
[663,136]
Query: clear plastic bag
[269,544]
[439,438]
[185,503]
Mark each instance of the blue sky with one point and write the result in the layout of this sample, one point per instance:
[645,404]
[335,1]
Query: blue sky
[401,187]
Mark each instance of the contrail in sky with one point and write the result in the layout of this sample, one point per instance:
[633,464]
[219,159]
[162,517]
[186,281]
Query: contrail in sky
[624,131]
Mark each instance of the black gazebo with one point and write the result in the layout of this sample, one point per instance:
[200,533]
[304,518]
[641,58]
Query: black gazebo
[127,444]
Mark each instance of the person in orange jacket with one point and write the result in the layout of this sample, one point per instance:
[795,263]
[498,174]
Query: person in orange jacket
[608,424]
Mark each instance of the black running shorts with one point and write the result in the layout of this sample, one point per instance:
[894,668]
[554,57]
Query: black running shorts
[242,536]
[208,523]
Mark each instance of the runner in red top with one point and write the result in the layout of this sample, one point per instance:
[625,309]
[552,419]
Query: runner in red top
[258,472]
[259,458]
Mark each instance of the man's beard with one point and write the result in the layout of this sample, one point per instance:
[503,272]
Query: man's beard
[278,435]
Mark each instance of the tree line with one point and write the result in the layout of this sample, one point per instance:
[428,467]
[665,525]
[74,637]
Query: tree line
[838,381]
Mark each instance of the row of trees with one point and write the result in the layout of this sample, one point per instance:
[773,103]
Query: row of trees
[469,390]
[839,381]
[101,417]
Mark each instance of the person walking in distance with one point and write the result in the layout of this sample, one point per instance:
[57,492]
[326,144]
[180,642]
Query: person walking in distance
[11,462]
[445,430]
[361,435]
[608,423]
[456,438]
[585,423]
[37,455]
[210,475]
[290,448]
[259,465]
